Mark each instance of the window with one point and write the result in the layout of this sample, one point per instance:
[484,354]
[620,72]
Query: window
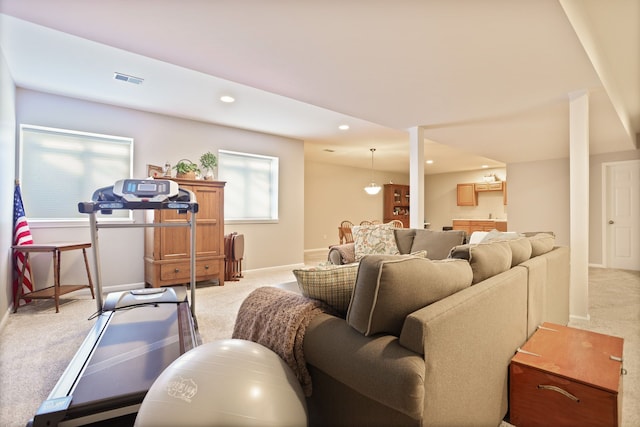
[251,192]
[60,168]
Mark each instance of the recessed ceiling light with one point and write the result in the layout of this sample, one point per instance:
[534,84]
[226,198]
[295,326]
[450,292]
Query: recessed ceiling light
[429,162]
[485,166]
[228,99]
[343,127]
[329,150]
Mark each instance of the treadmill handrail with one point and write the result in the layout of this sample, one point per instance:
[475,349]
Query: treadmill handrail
[105,201]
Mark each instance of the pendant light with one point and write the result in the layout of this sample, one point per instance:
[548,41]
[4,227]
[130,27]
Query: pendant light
[373,188]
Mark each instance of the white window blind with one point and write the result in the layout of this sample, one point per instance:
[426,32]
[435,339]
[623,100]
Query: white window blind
[60,168]
[251,192]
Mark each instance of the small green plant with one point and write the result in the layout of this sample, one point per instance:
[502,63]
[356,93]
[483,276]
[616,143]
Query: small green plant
[185,166]
[208,160]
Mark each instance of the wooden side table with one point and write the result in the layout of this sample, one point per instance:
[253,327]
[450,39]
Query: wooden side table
[565,376]
[57,289]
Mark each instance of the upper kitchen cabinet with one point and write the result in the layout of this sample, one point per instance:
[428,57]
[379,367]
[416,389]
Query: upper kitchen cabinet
[466,195]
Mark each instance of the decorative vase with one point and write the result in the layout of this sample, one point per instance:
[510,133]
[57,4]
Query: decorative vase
[210,174]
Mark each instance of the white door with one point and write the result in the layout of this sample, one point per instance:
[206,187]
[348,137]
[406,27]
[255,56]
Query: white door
[622,215]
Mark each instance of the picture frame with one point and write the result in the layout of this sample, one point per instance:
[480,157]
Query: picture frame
[155,171]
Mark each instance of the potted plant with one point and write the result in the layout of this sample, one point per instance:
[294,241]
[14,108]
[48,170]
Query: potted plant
[209,161]
[186,169]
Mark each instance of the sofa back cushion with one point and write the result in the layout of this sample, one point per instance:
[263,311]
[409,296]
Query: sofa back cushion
[520,250]
[377,239]
[486,259]
[387,289]
[438,244]
[404,239]
[520,246]
[541,243]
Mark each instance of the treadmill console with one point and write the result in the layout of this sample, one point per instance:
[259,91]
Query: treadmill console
[145,190]
[141,194]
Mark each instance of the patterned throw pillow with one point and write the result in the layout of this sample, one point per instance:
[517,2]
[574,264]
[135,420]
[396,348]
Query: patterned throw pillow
[332,284]
[378,239]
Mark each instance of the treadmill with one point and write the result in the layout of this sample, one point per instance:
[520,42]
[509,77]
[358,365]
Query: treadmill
[137,333]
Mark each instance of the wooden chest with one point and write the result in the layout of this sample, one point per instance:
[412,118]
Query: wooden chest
[566,377]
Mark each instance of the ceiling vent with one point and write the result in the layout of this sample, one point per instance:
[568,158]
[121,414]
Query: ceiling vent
[127,78]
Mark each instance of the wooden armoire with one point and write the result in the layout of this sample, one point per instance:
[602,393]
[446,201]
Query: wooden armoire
[167,249]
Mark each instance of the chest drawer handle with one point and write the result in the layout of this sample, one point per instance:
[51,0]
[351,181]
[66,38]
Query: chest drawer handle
[559,390]
[177,270]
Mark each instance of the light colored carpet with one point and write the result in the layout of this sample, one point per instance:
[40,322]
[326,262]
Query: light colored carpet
[36,344]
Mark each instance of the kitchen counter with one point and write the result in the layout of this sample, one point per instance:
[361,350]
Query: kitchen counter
[471,225]
[481,219]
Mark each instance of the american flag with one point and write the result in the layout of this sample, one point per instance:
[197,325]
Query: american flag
[21,236]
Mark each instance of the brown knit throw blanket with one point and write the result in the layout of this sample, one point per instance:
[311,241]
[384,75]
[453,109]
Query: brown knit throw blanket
[278,319]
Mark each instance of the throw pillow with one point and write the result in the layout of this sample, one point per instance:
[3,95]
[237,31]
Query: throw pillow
[499,235]
[389,288]
[541,243]
[332,284]
[378,239]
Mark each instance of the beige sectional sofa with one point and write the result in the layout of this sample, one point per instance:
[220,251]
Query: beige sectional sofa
[437,244]
[428,343]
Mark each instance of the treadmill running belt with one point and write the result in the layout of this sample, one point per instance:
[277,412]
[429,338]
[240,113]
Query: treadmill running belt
[137,346]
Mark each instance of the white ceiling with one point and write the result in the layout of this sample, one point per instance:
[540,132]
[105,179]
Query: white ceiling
[488,80]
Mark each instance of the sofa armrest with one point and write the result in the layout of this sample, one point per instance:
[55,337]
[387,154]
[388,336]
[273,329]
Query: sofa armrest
[468,340]
[342,254]
[556,306]
[377,367]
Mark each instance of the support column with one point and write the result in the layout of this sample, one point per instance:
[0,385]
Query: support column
[416,177]
[579,203]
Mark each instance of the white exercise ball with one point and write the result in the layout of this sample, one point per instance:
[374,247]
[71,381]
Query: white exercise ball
[225,383]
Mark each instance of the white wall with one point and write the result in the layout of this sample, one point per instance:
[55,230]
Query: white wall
[7,175]
[336,193]
[158,138]
[538,194]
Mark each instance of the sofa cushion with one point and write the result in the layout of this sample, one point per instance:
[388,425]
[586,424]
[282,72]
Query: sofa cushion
[486,259]
[437,243]
[374,239]
[404,239]
[387,289]
[520,250]
[541,243]
[520,246]
[332,284]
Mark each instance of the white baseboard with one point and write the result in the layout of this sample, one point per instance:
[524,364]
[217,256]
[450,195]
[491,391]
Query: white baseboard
[5,317]
[597,265]
[308,251]
[586,318]
[278,267]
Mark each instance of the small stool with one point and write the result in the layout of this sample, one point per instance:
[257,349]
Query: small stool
[57,289]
